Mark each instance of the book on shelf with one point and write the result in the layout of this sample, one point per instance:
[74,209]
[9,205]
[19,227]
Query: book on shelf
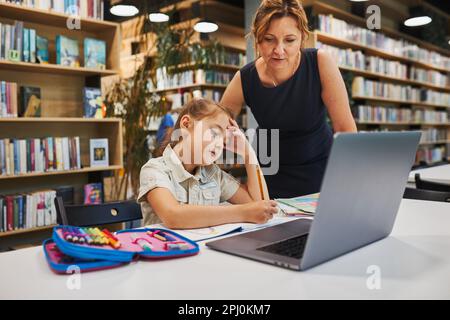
[399,47]
[42,54]
[8,99]
[30,102]
[99,152]
[83,8]
[93,193]
[39,155]
[94,53]
[27,210]
[93,104]
[67,51]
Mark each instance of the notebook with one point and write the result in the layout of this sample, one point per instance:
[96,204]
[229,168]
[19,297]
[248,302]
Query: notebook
[202,234]
[301,206]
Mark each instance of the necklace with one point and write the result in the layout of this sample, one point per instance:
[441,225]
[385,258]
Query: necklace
[275,84]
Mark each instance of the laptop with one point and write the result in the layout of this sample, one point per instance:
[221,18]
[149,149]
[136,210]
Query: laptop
[361,192]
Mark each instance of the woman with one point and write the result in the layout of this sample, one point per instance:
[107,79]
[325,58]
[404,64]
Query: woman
[291,88]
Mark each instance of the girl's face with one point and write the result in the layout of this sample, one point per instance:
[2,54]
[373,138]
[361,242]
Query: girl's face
[280,45]
[205,138]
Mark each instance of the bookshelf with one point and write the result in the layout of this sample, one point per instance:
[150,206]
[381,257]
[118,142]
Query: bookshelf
[62,107]
[354,57]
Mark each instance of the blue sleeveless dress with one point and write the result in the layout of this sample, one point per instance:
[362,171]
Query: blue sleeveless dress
[295,107]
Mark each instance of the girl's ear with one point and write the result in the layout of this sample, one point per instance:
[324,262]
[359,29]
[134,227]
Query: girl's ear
[185,122]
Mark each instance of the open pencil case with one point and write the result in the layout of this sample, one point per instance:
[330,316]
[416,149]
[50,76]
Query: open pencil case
[62,252]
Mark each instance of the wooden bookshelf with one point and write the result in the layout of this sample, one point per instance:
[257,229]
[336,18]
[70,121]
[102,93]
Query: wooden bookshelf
[318,7]
[53,69]
[63,172]
[193,86]
[341,42]
[386,123]
[51,18]
[61,103]
[22,231]
[394,101]
[435,142]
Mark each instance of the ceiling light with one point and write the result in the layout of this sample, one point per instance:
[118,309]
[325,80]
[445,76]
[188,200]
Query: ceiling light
[417,21]
[206,27]
[158,17]
[123,10]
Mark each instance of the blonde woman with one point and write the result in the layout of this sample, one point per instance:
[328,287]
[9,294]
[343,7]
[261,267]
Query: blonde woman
[291,88]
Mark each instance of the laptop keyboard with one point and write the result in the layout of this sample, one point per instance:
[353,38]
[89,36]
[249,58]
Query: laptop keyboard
[292,247]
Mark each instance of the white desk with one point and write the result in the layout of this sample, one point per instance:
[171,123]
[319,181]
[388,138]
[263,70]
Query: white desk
[437,174]
[414,262]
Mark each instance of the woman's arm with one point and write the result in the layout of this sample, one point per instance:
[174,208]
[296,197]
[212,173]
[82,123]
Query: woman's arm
[334,94]
[233,97]
[186,216]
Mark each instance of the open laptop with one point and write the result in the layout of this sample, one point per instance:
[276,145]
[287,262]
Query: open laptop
[361,192]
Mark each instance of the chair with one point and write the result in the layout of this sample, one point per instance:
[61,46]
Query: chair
[428,195]
[97,214]
[430,185]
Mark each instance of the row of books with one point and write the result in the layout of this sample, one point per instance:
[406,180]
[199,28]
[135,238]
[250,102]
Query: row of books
[181,98]
[434,135]
[368,88]
[25,211]
[37,155]
[18,43]
[190,77]
[26,104]
[430,116]
[82,8]
[342,29]
[429,154]
[364,113]
[225,57]
[429,76]
[22,44]
[357,60]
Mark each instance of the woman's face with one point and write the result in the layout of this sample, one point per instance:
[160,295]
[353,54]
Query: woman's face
[281,44]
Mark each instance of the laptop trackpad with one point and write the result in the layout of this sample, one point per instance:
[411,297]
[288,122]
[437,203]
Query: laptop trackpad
[279,232]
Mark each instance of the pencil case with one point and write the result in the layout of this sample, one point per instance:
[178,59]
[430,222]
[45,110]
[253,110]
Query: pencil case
[62,264]
[123,247]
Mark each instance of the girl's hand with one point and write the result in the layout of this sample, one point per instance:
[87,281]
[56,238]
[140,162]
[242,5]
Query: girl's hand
[260,211]
[236,141]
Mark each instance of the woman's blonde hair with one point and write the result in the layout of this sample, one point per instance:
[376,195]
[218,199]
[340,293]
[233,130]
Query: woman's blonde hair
[198,109]
[274,9]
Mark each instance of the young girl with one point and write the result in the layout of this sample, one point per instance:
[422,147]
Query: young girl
[183,188]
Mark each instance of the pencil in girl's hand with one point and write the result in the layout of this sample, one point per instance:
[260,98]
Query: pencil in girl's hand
[261,189]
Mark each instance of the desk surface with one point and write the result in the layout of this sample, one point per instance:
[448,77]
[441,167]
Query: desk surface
[437,174]
[414,263]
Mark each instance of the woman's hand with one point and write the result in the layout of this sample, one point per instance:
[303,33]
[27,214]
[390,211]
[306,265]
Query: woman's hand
[260,211]
[237,142]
